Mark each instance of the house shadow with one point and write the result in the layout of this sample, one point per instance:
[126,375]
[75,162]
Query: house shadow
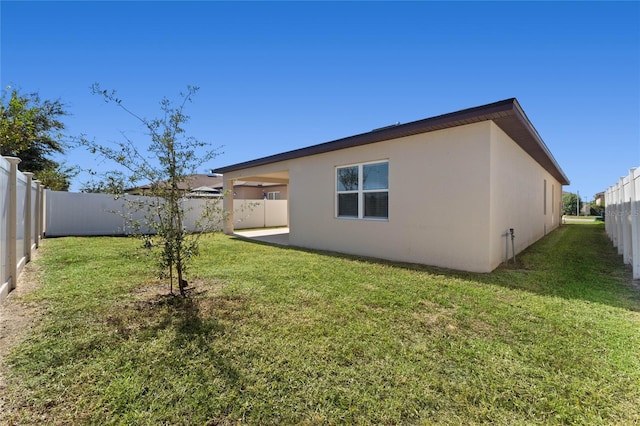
[613,286]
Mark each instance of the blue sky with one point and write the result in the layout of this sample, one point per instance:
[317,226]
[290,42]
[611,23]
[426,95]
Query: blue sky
[281,76]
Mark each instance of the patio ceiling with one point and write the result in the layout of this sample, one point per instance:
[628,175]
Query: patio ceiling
[281,177]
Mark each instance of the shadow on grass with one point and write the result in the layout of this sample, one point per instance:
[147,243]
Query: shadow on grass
[574,261]
[194,333]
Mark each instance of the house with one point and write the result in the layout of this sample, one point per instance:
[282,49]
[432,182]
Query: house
[599,199]
[443,191]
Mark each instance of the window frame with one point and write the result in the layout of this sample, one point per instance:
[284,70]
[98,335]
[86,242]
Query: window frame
[360,191]
[273,195]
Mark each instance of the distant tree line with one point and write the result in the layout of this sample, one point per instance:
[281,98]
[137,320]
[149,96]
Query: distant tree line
[572,204]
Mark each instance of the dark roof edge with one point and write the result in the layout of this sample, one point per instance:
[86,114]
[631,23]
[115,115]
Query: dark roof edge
[452,119]
[534,133]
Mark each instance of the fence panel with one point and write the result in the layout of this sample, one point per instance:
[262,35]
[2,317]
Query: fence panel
[21,222]
[260,213]
[623,218]
[18,213]
[34,215]
[5,170]
[195,209]
[276,213]
[81,214]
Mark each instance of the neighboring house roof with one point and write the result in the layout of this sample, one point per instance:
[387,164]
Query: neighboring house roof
[507,114]
[201,183]
[191,181]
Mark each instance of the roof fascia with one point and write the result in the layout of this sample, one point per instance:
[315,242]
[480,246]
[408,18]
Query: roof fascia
[494,111]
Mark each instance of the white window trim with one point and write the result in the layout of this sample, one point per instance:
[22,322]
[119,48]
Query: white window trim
[360,191]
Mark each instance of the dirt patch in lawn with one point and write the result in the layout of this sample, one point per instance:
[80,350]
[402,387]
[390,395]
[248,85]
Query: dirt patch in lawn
[17,318]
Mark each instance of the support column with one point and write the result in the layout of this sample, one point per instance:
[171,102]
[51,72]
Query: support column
[289,207]
[13,219]
[227,206]
[28,219]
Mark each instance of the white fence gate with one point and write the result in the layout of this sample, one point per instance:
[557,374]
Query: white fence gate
[21,221]
[622,218]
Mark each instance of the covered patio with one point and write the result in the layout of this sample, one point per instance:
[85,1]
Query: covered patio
[260,175]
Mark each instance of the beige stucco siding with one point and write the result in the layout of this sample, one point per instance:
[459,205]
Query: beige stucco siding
[438,200]
[518,197]
[453,195]
[257,193]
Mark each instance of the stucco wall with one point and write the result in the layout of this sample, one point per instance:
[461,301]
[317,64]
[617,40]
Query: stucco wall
[438,200]
[518,198]
[257,193]
[453,195]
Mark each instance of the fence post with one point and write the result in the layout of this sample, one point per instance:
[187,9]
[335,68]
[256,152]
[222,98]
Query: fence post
[13,219]
[612,213]
[43,211]
[608,212]
[28,231]
[38,230]
[626,221]
[635,222]
[620,216]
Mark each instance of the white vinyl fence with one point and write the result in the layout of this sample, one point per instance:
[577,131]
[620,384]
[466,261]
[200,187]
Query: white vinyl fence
[82,214]
[21,221]
[622,218]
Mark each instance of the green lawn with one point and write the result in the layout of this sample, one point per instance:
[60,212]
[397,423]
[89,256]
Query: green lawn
[286,336]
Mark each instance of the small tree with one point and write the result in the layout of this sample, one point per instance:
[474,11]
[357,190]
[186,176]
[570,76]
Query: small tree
[170,158]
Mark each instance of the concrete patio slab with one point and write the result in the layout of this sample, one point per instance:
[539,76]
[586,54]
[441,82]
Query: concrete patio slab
[271,235]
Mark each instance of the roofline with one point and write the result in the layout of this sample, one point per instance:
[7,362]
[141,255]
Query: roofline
[507,114]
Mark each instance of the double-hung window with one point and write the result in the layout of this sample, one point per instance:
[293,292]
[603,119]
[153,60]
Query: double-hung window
[362,191]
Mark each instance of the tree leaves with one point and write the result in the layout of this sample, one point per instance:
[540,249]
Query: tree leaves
[32,129]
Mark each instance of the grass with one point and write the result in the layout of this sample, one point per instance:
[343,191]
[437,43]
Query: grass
[286,336]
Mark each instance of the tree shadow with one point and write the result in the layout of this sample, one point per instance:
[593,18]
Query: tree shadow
[192,331]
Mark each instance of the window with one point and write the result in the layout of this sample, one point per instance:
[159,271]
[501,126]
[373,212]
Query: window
[362,191]
[273,195]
